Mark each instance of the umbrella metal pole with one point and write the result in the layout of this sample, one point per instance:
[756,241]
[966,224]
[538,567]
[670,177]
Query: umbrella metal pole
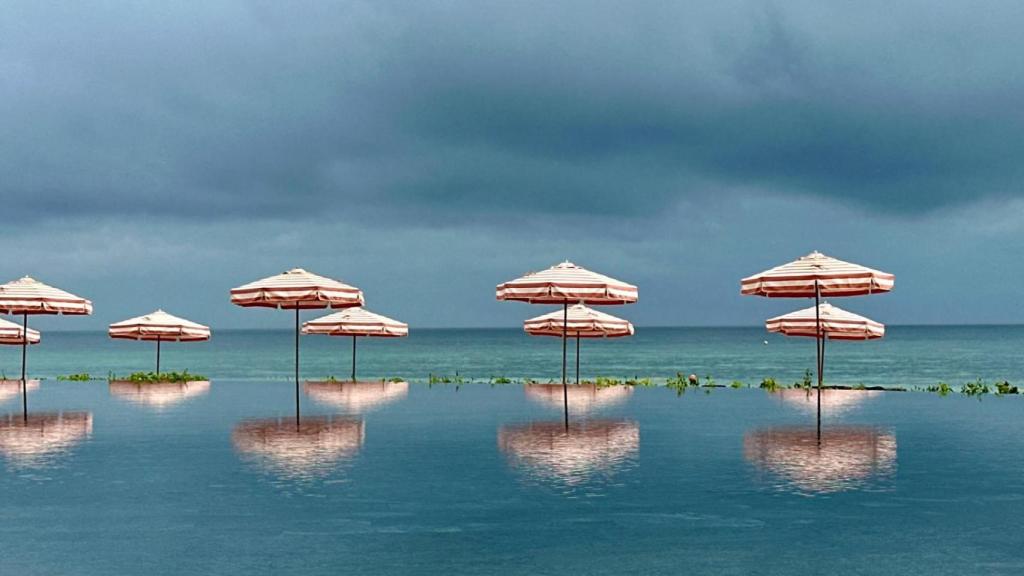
[296,365]
[565,384]
[353,357]
[158,356]
[820,345]
[24,357]
[577,357]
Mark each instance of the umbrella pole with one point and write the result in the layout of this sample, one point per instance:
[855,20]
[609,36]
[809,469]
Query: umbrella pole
[353,357]
[296,365]
[577,357]
[820,344]
[158,356]
[565,385]
[24,357]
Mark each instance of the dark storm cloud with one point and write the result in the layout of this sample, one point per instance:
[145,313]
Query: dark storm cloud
[453,110]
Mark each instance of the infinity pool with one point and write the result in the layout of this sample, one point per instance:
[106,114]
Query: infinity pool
[409,479]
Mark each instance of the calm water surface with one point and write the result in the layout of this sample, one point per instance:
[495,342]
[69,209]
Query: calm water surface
[480,479]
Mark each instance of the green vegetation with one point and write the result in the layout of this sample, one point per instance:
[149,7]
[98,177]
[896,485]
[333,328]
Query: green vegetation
[1004,387]
[976,388]
[770,385]
[736,384]
[440,379]
[634,381]
[81,377]
[153,377]
[806,382]
[942,389]
[501,380]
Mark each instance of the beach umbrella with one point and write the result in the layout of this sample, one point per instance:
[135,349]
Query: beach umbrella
[815,276]
[841,459]
[28,296]
[356,322]
[567,284]
[13,334]
[159,327]
[826,322]
[579,322]
[297,290]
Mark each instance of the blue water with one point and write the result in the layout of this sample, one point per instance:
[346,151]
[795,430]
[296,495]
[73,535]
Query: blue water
[387,478]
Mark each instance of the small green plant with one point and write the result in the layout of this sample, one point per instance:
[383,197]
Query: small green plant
[770,385]
[501,380]
[81,377]
[444,379]
[942,389]
[152,377]
[806,382]
[676,382]
[860,386]
[634,381]
[709,382]
[976,388]
[396,379]
[1004,387]
[736,384]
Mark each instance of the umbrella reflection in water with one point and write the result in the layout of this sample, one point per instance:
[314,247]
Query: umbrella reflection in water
[10,389]
[37,439]
[158,394]
[310,449]
[845,459]
[582,398]
[833,402]
[548,451]
[356,397]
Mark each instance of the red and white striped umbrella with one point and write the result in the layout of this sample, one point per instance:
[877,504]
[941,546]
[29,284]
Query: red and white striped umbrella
[11,333]
[28,296]
[578,322]
[567,284]
[570,283]
[159,327]
[297,290]
[356,322]
[817,274]
[831,322]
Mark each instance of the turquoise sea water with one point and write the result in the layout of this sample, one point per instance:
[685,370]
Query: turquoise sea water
[479,479]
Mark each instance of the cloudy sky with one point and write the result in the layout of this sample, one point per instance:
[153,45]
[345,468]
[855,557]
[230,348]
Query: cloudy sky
[160,153]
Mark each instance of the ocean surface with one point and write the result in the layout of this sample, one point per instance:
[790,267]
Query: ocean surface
[419,478]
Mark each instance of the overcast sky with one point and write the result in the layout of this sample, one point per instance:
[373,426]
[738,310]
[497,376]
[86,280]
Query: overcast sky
[156,154]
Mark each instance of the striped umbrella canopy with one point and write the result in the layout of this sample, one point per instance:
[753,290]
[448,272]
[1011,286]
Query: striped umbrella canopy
[814,276]
[356,322]
[159,327]
[580,322]
[28,296]
[566,284]
[827,321]
[297,290]
[817,275]
[12,333]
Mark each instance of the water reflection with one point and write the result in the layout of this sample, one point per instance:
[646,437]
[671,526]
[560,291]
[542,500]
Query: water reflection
[158,394]
[10,389]
[310,449]
[356,397]
[40,439]
[583,398]
[846,458]
[547,451]
[833,402]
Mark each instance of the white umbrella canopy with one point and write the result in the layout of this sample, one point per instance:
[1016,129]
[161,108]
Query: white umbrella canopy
[578,322]
[566,284]
[297,289]
[27,296]
[13,334]
[159,326]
